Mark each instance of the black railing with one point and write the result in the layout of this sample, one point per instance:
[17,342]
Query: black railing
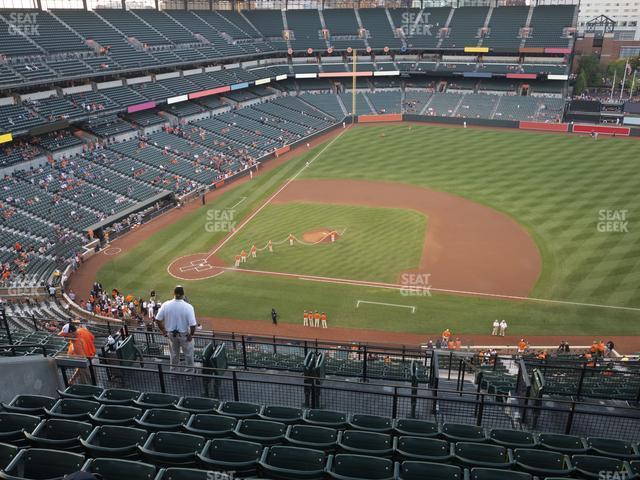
[475,408]
[366,362]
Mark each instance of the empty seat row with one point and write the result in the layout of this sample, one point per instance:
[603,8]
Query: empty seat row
[239,459]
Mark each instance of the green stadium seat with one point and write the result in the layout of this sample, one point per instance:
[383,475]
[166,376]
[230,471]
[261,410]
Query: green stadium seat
[174,473]
[116,415]
[29,404]
[286,415]
[483,455]
[118,396]
[592,466]
[115,469]
[325,418]
[211,426]
[495,474]
[240,409]
[172,449]
[7,453]
[609,447]
[365,443]
[114,441]
[293,463]
[568,444]
[359,467]
[635,467]
[423,449]
[13,426]
[42,464]
[207,353]
[543,463]
[512,438]
[58,434]
[455,432]
[371,423]
[156,400]
[311,436]
[73,409]
[198,405]
[224,454]
[156,419]
[416,428]
[427,471]
[81,391]
[261,431]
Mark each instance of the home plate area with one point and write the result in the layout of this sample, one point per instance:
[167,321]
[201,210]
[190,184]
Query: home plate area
[197,266]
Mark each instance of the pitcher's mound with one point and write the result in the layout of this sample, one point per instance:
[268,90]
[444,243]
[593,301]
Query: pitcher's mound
[322,235]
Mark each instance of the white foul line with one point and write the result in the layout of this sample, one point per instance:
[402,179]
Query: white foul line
[413,309]
[242,199]
[269,200]
[395,286]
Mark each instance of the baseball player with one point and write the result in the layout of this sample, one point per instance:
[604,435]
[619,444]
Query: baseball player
[243,256]
[305,319]
[316,318]
[254,251]
[291,238]
[333,236]
[270,244]
[323,318]
[238,261]
[503,328]
[496,327]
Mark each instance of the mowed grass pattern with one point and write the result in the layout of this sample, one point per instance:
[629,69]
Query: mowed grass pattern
[378,243]
[554,185]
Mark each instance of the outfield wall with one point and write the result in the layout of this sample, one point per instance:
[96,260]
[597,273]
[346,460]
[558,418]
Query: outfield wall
[461,121]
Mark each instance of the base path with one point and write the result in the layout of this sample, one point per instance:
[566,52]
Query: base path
[468,247]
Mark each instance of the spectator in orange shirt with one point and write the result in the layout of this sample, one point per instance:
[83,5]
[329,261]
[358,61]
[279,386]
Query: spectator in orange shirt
[446,335]
[522,345]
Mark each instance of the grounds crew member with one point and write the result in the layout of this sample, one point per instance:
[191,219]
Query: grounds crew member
[177,321]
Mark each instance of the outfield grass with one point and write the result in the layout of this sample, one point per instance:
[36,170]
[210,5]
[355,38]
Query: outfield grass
[554,185]
[361,253]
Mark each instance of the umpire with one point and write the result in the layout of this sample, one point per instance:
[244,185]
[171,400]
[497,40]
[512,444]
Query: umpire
[177,321]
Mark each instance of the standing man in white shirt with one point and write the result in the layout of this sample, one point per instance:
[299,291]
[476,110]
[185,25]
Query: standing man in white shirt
[177,321]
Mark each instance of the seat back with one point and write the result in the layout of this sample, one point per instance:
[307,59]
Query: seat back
[361,467]
[37,463]
[116,469]
[236,451]
[371,422]
[412,427]
[422,447]
[411,470]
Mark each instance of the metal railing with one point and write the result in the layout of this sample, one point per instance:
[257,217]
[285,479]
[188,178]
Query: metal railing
[357,360]
[382,398]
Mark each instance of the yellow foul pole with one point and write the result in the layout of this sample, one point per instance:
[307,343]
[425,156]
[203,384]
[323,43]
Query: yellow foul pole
[353,87]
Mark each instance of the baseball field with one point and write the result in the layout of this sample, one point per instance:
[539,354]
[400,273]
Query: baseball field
[412,228]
